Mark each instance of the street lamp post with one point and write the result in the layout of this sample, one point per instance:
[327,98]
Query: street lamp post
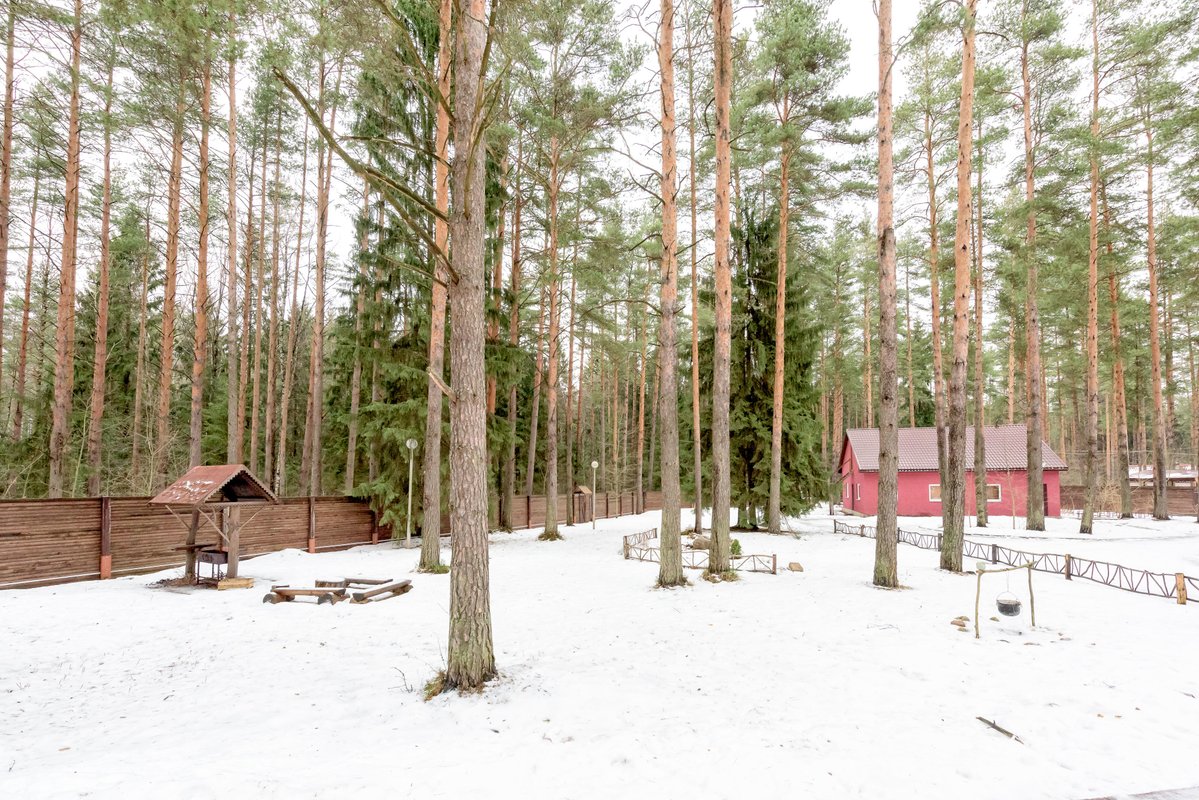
[411,444]
[594,465]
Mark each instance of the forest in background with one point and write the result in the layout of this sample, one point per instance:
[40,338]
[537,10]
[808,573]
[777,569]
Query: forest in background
[172,293]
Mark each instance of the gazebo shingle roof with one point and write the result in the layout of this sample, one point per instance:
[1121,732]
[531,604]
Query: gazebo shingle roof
[1006,448]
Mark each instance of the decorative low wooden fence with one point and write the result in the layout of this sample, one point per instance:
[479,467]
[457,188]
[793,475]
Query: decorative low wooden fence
[637,548]
[56,541]
[1180,587]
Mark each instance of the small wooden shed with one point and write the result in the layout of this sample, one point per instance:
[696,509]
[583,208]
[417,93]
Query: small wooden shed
[216,495]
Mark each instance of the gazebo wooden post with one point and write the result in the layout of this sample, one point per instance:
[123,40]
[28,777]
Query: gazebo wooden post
[189,565]
[233,521]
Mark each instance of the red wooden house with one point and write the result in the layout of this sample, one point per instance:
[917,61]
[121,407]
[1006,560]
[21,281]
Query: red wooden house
[919,477]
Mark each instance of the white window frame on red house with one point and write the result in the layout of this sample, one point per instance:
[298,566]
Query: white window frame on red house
[857,491]
[932,499]
[998,498]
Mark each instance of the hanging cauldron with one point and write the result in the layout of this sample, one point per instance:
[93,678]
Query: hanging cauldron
[1008,604]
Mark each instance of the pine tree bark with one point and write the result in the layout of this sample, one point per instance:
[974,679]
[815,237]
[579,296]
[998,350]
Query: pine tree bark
[200,342]
[64,341]
[292,332]
[6,166]
[509,476]
[980,382]
[551,368]
[1092,459]
[886,536]
[316,363]
[907,321]
[953,491]
[670,571]
[256,366]
[356,373]
[774,522]
[470,658]
[639,498]
[233,446]
[1160,509]
[18,416]
[570,387]
[534,412]
[718,557]
[248,248]
[139,380]
[934,292]
[95,427]
[1035,415]
[268,423]
[697,450]
[430,551]
[1118,395]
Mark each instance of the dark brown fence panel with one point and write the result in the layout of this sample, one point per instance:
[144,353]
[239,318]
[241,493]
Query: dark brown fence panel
[342,522]
[52,541]
[279,527]
[42,542]
[1179,500]
[144,536]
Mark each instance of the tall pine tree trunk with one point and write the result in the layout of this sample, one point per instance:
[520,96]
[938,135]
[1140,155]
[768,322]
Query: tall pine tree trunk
[697,451]
[509,476]
[774,522]
[64,341]
[1119,400]
[18,415]
[1034,419]
[886,537]
[534,411]
[718,559]
[430,551]
[934,292]
[980,382]
[551,368]
[1092,460]
[256,367]
[1160,509]
[95,426]
[670,572]
[356,375]
[6,167]
[233,446]
[470,659]
[953,506]
[200,342]
[268,423]
[140,368]
[293,324]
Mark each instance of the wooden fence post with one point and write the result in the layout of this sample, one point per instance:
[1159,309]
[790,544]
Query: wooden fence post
[374,527]
[994,554]
[1069,567]
[1181,582]
[774,564]
[105,537]
[861,530]
[311,524]
[528,511]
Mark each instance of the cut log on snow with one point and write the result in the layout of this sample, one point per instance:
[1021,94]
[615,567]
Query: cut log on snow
[383,592]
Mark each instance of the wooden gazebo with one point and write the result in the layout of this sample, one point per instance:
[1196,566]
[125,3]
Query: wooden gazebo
[216,495]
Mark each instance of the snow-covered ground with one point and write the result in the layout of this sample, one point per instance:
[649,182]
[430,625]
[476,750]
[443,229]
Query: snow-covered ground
[811,684]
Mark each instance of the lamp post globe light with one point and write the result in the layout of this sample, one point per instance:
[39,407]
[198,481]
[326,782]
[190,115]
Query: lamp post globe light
[594,466]
[411,445]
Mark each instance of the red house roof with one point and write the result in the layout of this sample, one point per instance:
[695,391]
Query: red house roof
[1005,447]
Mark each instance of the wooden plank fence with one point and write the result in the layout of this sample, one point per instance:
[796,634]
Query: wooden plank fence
[57,541]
